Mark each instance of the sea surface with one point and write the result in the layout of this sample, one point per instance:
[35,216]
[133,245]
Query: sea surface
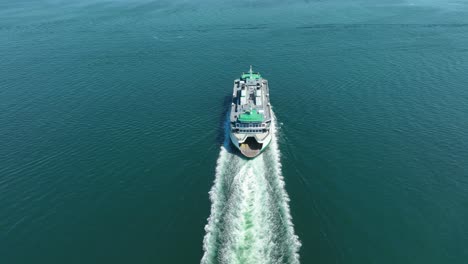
[113,141]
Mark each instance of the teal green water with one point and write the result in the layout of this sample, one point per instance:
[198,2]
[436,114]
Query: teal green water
[112,125]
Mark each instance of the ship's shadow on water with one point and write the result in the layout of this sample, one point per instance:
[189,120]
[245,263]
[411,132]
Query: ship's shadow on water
[223,121]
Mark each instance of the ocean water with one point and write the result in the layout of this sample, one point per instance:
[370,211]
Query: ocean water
[113,147]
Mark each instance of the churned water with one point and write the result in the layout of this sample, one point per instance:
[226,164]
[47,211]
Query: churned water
[113,147]
[250,220]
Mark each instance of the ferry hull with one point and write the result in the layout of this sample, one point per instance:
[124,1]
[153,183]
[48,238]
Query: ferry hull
[251,115]
[249,145]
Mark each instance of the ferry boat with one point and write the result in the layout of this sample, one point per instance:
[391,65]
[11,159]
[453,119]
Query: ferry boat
[251,115]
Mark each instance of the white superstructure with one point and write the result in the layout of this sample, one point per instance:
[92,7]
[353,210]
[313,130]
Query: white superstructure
[251,114]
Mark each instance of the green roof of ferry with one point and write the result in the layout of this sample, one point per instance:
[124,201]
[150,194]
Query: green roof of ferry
[251,75]
[251,116]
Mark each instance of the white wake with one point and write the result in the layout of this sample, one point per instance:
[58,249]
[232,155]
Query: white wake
[250,220]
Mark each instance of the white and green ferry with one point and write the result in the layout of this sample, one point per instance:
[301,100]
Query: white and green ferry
[251,114]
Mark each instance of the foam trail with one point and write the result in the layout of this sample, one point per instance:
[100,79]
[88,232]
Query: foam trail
[250,220]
